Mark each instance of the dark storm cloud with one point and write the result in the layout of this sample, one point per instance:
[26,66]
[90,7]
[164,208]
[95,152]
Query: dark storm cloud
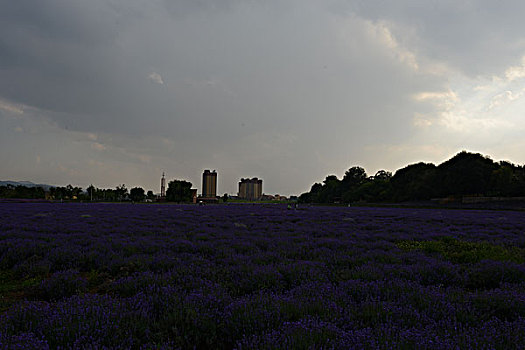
[182,8]
[67,59]
[86,64]
[52,53]
[75,22]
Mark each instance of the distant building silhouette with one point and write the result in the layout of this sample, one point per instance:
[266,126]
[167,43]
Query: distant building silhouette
[209,184]
[194,195]
[162,187]
[250,189]
[275,197]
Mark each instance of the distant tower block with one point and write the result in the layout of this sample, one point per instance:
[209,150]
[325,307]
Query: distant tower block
[250,189]
[162,187]
[209,184]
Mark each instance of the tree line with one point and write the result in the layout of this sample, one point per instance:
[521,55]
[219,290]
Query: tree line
[178,191]
[19,191]
[465,174]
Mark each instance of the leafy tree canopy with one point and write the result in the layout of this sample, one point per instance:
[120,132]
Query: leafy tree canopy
[137,194]
[464,174]
[179,191]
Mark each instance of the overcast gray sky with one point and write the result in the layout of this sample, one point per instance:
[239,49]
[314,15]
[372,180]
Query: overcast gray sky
[118,91]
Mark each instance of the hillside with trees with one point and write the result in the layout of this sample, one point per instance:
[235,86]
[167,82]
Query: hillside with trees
[464,175]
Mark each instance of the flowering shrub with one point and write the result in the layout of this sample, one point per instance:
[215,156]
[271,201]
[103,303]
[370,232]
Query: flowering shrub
[259,277]
[62,284]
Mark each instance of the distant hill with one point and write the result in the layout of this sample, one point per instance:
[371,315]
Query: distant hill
[26,184]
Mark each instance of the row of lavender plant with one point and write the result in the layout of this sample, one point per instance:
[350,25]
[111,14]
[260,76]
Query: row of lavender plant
[259,277]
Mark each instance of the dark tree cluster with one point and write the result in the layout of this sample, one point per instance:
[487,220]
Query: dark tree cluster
[355,186]
[91,194]
[69,192]
[179,191]
[10,191]
[137,194]
[465,174]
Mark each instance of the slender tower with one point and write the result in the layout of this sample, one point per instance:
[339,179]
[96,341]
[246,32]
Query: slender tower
[163,187]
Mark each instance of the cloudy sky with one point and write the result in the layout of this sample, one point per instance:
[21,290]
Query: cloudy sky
[118,91]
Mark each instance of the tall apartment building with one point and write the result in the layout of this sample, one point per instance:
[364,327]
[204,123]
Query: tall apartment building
[209,184]
[250,189]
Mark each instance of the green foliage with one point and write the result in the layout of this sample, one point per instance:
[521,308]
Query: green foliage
[24,192]
[463,252]
[331,191]
[68,192]
[416,181]
[463,175]
[179,191]
[121,192]
[12,288]
[334,190]
[371,191]
[136,194]
[312,196]
[354,177]
[507,180]
[61,284]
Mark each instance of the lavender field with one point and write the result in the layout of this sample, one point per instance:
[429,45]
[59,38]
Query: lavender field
[91,276]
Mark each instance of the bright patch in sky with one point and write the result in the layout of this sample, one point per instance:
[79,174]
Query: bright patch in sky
[155,77]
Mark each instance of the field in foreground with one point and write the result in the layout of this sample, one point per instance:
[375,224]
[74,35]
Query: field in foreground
[259,277]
